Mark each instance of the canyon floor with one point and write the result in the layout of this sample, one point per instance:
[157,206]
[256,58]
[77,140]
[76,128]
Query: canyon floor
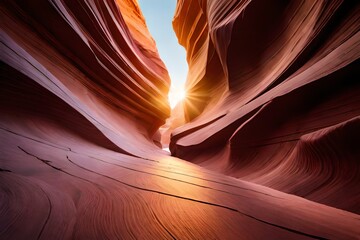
[53,189]
[265,144]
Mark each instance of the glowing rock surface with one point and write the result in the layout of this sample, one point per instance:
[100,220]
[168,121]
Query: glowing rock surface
[83,93]
[274,94]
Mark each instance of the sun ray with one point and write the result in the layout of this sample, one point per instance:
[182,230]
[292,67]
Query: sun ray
[176,94]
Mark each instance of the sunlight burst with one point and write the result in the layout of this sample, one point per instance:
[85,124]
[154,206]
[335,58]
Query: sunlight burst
[176,94]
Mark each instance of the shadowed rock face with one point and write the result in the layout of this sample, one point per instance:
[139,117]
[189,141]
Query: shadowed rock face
[92,57]
[274,94]
[83,93]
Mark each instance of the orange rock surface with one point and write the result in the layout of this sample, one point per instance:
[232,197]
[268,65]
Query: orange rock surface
[274,94]
[272,120]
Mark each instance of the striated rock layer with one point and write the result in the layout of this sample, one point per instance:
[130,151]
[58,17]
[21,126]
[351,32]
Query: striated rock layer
[85,53]
[274,94]
[82,95]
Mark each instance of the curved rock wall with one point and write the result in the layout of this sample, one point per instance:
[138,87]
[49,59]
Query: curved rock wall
[82,94]
[273,94]
[102,63]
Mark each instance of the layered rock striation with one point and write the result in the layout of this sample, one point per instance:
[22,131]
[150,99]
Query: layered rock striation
[102,63]
[273,94]
[83,93]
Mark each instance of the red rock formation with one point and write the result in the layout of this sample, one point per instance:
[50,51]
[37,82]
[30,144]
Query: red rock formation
[82,94]
[91,60]
[273,94]
[175,120]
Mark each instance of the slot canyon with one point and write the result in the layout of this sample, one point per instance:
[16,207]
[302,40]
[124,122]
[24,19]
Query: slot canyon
[265,144]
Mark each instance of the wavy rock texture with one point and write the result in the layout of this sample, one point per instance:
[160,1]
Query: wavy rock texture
[82,95]
[274,95]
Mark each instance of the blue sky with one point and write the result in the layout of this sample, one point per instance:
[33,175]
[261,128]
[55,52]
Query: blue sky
[158,15]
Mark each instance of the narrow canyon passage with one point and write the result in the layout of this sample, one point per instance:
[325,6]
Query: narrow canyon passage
[265,144]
